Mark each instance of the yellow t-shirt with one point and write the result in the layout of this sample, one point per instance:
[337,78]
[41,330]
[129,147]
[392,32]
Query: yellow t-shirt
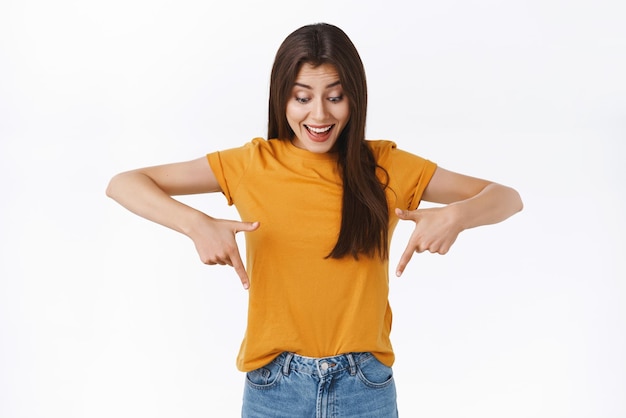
[300,301]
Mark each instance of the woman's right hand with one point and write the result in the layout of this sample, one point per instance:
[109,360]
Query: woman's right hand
[147,192]
[216,244]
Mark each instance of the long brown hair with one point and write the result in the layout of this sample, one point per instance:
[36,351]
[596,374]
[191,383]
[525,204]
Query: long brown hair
[364,217]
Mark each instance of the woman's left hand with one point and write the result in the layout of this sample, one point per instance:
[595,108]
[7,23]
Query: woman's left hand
[435,231]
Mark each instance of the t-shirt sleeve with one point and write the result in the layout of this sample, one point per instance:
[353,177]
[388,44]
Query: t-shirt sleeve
[229,167]
[413,173]
[409,174]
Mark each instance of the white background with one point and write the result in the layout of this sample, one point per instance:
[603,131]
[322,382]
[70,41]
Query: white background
[103,314]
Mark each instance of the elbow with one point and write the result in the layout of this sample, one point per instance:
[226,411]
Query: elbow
[510,200]
[516,199]
[111,190]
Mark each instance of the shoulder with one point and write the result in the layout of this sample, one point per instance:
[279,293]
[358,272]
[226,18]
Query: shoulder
[260,145]
[267,146]
[381,146]
[255,146]
[382,150]
[258,153]
[385,150]
[387,154]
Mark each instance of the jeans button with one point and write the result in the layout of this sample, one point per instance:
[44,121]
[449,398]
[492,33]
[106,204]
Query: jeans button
[324,366]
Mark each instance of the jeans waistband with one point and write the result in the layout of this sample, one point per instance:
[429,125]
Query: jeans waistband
[321,366]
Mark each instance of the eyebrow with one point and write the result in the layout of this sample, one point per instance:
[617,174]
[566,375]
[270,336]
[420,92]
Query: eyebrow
[306,86]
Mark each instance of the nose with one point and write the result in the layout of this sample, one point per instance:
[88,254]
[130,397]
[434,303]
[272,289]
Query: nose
[319,111]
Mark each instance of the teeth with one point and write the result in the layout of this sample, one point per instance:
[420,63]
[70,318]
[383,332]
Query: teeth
[319,130]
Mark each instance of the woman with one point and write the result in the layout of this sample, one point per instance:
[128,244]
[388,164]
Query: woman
[319,205]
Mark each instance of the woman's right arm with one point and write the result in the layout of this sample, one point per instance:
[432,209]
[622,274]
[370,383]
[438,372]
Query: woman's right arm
[147,192]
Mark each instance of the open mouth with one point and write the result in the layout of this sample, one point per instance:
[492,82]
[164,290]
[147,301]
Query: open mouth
[319,133]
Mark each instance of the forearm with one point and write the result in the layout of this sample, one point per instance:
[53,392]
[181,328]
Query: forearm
[141,195]
[491,205]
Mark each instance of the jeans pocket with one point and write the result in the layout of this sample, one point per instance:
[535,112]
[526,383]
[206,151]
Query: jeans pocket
[264,377]
[374,374]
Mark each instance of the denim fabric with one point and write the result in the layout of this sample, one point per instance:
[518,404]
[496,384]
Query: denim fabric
[353,385]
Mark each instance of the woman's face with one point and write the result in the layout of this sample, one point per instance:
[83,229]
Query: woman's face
[317,110]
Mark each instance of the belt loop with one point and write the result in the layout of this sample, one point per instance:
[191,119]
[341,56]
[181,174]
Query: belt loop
[287,362]
[352,364]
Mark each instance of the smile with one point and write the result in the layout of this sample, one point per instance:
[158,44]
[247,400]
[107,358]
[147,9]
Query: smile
[318,130]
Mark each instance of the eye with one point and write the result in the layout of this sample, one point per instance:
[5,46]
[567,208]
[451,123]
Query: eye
[302,100]
[335,99]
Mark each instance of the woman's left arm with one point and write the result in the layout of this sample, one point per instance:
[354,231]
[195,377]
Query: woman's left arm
[470,202]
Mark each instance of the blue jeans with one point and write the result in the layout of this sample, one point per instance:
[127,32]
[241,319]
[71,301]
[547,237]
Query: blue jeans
[291,386]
